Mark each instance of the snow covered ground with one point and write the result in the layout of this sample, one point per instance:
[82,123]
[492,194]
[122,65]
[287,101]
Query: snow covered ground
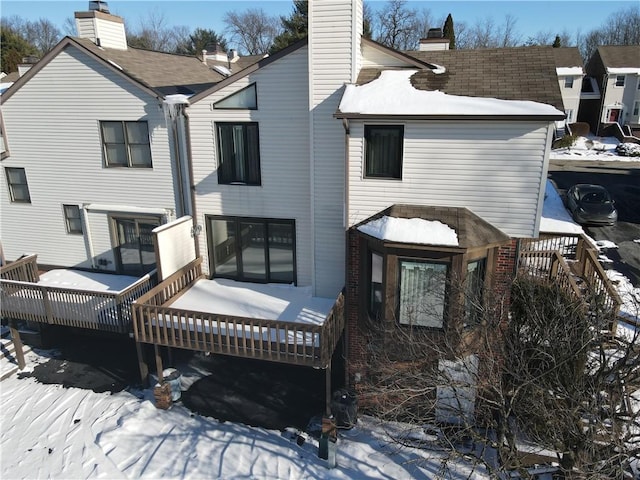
[592,148]
[52,432]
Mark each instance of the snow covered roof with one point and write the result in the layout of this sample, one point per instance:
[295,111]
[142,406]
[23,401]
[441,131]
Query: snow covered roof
[393,94]
[569,71]
[454,227]
[411,230]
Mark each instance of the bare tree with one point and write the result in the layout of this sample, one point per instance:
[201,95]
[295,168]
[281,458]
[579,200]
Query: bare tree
[397,26]
[253,30]
[43,34]
[621,28]
[548,37]
[153,33]
[551,377]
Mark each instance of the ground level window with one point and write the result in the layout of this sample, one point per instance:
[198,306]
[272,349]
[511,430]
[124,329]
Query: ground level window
[18,187]
[134,250]
[422,293]
[252,249]
[72,218]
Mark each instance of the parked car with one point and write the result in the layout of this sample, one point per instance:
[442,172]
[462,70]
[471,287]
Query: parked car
[591,204]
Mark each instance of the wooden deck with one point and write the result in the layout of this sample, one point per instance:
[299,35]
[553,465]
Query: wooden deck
[22,298]
[572,262]
[156,322]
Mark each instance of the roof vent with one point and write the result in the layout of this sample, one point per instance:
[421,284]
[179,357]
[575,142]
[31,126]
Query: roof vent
[99,6]
[434,33]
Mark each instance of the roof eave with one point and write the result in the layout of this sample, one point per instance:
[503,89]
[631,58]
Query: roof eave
[522,118]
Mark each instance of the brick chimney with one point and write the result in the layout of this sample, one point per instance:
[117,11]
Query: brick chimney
[102,28]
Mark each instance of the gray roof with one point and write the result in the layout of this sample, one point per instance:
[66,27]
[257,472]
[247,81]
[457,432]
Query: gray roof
[620,56]
[523,73]
[239,64]
[567,57]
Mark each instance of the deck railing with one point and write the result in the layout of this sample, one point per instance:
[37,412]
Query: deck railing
[537,256]
[23,270]
[95,310]
[156,322]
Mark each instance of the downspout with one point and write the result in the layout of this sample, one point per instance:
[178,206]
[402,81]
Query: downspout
[87,231]
[192,183]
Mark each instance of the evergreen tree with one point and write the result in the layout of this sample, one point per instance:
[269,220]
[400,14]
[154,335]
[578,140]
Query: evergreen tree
[294,27]
[448,32]
[201,39]
[14,48]
[557,43]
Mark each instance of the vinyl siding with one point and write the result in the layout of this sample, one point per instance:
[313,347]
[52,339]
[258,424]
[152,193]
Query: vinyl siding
[332,63]
[496,170]
[52,124]
[283,124]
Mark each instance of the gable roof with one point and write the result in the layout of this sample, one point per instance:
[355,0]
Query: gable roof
[157,73]
[567,57]
[521,73]
[620,56]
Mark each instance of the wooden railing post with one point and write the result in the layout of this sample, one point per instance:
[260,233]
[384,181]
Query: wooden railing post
[48,311]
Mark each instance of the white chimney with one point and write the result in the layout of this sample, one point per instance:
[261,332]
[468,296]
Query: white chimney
[27,63]
[102,28]
[434,41]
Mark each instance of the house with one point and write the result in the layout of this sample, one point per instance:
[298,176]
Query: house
[569,67]
[615,70]
[310,169]
[90,157]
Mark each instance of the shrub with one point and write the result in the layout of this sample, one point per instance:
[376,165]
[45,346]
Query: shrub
[565,142]
[628,150]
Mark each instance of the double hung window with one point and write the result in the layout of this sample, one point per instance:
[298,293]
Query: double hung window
[383,151]
[126,144]
[238,153]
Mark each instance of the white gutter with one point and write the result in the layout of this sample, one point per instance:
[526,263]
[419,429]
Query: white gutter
[99,207]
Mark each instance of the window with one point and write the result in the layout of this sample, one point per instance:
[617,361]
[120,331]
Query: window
[252,249]
[375,289]
[126,144]
[383,151]
[619,80]
[246,99]
[474,287]
[568,82]
[238,154]
[72,218]
[422,293]
[636,109]
[18,187]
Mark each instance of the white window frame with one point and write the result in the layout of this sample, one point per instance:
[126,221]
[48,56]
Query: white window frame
[12,185]
[619,83]
[68,218]
[128,144]
[568,82]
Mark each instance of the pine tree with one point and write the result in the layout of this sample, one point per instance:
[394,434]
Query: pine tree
[14,48]
[557,43]
[448,32]
[294,26]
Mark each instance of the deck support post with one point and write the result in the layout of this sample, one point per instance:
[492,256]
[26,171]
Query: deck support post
[144,368]
[17,343]
[156,349]
[328,390]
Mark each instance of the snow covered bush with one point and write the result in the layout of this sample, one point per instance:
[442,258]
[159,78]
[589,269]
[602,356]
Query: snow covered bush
[565,142]
[628,150]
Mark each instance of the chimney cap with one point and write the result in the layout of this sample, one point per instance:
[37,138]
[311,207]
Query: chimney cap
[99,5]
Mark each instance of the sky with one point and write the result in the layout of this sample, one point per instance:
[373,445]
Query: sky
[532,16]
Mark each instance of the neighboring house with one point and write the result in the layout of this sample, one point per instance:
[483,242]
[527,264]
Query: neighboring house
[90,163]
[616,72]
[569,67]
[309,168]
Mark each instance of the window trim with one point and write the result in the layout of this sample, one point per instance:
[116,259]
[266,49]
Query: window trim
[220,159]
[4,154]
[471,318]
[240,276]
[636,108]
[67,218]
[400,129]
[113,218]
[255,89]
[11,185]
[618,83]
[568,81]
[127,144]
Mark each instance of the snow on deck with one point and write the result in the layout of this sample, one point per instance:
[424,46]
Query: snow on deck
[255,300]
[80,280]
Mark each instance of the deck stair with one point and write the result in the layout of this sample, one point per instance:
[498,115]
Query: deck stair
[8,358]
